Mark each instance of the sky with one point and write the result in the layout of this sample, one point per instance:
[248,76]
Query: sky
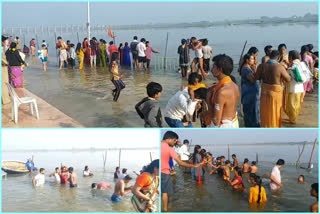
[17,139]
[244,136]
[16,14]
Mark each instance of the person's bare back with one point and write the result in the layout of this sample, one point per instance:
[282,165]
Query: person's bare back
[245,167]
[254,169]
[225,103]
[120,189]
[73,178]
[272,74]
[315,207]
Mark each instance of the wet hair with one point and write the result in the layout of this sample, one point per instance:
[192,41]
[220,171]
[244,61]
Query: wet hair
[253,50]
[185,141]
[126,44]
[70,169]
[13,45]
[153,88]
[151,166]
[41,170]
[244,60]
[315,187]
[111,43]
[238,170]
[59,37]
[127,177]
[205,42]
[280,162]
[195,151]
[93,185]
[304,49]
[124,170]
[246,160]
[78,46]
[183,41]
[86,167]
[135,38]
[254,163]
[233,155]
[201,93]
[170,135]
[274,54]
[267,48]
[227,162]
[114,56]
[224,62]
[258,181]
[117,168]
[192,78]
[310,46]
[281,46]
[294,55]
[142,40]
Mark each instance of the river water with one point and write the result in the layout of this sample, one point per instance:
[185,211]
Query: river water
[79,94]
[18,194]
[214,195]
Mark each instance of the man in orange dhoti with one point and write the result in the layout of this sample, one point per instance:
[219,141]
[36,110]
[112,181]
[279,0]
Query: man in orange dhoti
[271,74]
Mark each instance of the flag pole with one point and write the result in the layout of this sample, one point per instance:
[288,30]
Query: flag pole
[88,19]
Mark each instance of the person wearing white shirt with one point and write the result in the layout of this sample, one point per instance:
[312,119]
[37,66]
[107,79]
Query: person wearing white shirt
[123,174]
[141,49]
[183,152]
[207,54]
[300,74]
[275,176]
[181,104]
[39,179]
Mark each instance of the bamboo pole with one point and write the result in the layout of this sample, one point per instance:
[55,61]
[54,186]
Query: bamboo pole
[165,53]
[314,145]
[228,152]
[150,156]
[119,157]
[257,158]
[300,154]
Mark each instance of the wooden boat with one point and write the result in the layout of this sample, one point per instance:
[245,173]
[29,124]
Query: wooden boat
[14,167]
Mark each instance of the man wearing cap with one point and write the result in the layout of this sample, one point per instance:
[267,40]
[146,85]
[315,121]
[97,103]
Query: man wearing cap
[4,74]
[120,189]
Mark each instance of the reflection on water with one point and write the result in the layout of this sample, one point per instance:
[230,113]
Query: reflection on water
[18,195]
[86,97]
[215,195]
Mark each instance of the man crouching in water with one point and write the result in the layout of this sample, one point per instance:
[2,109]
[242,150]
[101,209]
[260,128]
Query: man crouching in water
[223,97]
[120,189]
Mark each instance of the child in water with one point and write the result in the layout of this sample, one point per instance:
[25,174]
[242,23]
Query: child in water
[301,179]
[73,56]
[43,55]
[116,77]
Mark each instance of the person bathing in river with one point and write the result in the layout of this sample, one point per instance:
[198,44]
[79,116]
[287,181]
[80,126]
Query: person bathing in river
[72,178]
[116,78]
[101,186]
[314,192]
[56,175]
[275,177]
[237,183]
[253,167]
[226,170]
[245,166]
[120,189]
[235,161]
[257,192]
[86,172]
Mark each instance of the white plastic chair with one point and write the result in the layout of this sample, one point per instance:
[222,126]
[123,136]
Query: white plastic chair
[16,101]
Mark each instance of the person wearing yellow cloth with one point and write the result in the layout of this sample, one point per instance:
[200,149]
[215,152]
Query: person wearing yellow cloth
[295,88]
[80,55]
[257,192]
[222,98]
[271,74]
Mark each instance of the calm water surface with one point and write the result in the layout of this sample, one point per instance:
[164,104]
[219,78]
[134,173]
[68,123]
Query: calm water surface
[79,94]
[18,194]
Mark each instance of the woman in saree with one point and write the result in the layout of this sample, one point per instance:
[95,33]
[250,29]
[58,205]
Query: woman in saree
[197,173]
[249,92]
[15,64]
[126,55]
[120,50]
[145,191]
[86,49]
[80,55]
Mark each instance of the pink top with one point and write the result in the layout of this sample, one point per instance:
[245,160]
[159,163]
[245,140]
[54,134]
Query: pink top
[167,152]
[148,52]
[308,59]
[104,185]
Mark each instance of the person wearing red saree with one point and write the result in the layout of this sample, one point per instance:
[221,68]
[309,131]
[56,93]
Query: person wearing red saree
[86,49]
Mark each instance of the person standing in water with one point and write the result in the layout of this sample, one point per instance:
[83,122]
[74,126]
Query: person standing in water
[314,192]
[257,192]
[235,161]
[39,179]
[116,77]
[184,57]
[245,166]
[275,177]
[149,50]
[120,190]
[207,54]
[72,178]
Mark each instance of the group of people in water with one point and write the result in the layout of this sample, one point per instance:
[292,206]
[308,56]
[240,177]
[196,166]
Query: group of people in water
[201,162]
[145,190]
